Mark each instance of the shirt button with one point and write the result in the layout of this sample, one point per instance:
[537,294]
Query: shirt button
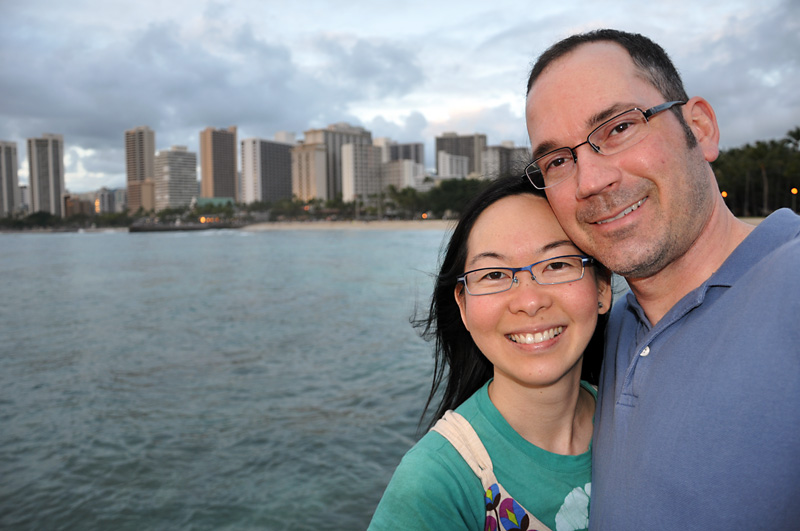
[645,352]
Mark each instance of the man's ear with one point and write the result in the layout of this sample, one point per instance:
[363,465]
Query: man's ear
[461,299]
[603,294]
[700,117]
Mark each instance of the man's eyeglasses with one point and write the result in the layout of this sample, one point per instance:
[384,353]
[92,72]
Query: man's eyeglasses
[558,270]
[612,136]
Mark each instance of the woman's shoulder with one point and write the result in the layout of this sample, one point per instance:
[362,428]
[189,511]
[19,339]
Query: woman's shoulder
[434,458]
[431,488]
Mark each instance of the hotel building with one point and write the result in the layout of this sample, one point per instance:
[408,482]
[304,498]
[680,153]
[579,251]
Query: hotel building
[266,170]
[9,181]
[361,173]
[46,174]
[140,150]
[218,163]
[470,146]
[333,138]
[176,178]
[309,171]
[505,159]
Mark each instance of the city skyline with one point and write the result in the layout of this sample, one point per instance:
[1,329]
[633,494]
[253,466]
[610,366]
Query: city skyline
[409,72]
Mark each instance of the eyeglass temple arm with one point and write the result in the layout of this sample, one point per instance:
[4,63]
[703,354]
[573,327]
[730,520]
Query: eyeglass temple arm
[663,107]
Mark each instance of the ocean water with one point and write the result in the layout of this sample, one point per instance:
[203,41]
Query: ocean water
[208,380]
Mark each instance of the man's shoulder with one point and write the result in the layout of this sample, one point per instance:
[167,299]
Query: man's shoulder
[779,259]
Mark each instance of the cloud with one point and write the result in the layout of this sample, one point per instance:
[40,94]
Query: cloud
[408,72]
[749,70]
[364,69]
[91,92]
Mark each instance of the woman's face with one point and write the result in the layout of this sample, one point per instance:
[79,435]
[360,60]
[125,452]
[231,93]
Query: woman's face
[533,335]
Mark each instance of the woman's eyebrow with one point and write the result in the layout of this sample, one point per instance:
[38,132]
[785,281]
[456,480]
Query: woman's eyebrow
[498,256]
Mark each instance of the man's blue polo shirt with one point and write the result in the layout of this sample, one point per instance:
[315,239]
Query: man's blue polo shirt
[698,419]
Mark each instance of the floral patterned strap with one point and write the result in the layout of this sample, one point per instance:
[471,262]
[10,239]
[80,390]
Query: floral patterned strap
[503,513]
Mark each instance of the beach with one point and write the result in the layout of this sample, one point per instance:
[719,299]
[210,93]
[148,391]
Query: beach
[428,224]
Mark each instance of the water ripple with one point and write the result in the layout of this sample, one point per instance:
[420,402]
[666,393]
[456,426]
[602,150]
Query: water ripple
[208,381]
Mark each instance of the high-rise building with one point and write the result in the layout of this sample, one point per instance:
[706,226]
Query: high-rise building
[120,200]
[46,174]
[140,151]
[452,166]
[403,173]
[505,159]
[470,146]
[79,204]
[309,171]
[266,170]
[285,137]
[9,181]
[392,150]
[333,138]
[218,163]
[24,198]
[361,173]
[104,201]
[176,178]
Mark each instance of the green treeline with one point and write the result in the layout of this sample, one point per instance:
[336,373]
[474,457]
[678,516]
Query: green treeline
[758,178]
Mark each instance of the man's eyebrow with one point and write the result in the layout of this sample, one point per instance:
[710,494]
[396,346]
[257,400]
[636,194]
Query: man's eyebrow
[609,112]
[543,148]
[591,123]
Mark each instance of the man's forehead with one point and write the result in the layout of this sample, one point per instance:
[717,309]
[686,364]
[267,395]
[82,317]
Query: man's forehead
[580,90]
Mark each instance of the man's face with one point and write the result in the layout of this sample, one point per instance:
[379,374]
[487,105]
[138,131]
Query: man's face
[638,210]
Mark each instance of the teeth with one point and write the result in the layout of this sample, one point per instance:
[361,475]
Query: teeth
[623,213]
[538,337]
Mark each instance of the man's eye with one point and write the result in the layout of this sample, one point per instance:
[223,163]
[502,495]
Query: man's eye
[556,162]
[620,128]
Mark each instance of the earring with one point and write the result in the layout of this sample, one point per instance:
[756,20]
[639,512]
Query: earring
[599,304]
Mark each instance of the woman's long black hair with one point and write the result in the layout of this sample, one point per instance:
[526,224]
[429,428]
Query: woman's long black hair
[458,363]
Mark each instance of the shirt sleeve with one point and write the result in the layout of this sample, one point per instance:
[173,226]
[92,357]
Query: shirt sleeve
[432,488]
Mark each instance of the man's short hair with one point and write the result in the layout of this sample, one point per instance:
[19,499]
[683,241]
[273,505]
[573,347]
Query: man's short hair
[649,58]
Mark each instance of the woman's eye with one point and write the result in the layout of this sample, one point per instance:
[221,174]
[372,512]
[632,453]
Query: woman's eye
[562,265]
[557,266]
[494,275]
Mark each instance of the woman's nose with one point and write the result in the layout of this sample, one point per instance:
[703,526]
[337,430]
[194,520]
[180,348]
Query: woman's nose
[527,295]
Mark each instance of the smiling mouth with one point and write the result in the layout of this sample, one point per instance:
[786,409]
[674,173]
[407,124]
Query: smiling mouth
[538,337]
[623,213]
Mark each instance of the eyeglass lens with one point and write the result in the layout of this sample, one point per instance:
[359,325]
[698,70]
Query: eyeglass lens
[554,271]
[611,137]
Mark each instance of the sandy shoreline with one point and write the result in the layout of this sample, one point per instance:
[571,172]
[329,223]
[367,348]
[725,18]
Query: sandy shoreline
[429,224]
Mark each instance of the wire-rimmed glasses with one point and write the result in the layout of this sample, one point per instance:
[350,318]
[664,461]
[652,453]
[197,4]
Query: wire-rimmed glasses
[558,270]
[612,136]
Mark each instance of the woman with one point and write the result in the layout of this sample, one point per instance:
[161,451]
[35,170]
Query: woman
[513,349]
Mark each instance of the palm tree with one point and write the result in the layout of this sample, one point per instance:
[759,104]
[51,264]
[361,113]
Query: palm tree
[793,139]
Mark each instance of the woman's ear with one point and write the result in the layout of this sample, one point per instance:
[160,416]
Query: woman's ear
[461,300]
[603,294]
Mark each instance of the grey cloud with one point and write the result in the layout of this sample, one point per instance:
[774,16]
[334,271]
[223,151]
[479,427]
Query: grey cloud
[410,130]
[58,82]
[368,69]
[750,74]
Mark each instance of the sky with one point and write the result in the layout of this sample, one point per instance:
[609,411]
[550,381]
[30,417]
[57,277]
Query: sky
[408,70]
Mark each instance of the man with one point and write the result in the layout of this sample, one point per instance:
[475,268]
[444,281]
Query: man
[697,425]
